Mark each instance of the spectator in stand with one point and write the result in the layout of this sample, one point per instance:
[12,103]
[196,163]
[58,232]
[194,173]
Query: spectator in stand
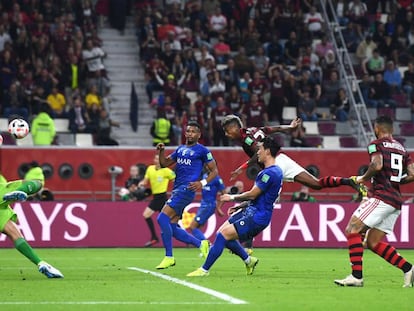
[323,47]
[307,107]
[408,82]
[167,55]
[14,103]
[233,35]
[221,50]
[230,75]
[93,57]
[313,22]
[254,113]
[308,83]
[375,64]
[258,85]
[292,49]
[149,46]
[217,23]
[242,61]
[235,102]
[218,87]
[216,132]
[274,50]
[251,37]
[104,126]
[43,127]
[147,37]
[170,86]
[182,102]
[277,95]
[45,81]
[365,49]
[380,93]
[340,106]
[393,77]
[389,48]
[8,71]
[177,68]
[351,37]
[194,115]
[357,12]
[260,61]
[60,40]
[330,89]
[92,98]
[57,103]
[79,120]
[244,87]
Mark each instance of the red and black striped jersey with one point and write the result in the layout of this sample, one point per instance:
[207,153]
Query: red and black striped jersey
[386,183]
[250,136]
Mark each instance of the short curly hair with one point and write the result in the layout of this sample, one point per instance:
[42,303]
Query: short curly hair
[230,118]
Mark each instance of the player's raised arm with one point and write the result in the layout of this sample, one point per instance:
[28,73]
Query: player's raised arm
[164,161]
[245,196]
[285,128]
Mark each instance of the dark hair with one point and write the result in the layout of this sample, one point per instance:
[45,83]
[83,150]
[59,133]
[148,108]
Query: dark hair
[195,124]
[269,143]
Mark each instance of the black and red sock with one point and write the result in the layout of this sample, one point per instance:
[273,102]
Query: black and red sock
[390,254]
[333,181]
[356,252]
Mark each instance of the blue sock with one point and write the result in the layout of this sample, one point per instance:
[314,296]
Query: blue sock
[215,251]
[181,235]
[198,234]
[237,249]
[166,233]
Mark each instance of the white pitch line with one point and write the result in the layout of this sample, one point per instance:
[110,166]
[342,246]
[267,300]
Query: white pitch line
[106,303]
[202,289]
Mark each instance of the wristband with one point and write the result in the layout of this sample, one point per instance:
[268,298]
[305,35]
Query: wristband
[244,165]
[203,182]
[232,197]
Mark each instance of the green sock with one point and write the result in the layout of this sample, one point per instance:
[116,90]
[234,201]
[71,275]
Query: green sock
[23,247]
[30,186]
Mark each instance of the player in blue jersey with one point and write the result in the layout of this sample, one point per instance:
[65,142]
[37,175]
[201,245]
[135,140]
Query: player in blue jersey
[189,160]
[207,205]
[253,219]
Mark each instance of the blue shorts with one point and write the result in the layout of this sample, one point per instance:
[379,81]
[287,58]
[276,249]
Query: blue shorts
[180,198]
[204,212]
[245,226]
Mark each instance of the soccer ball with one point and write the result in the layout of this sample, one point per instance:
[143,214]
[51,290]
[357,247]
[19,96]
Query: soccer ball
[19,128]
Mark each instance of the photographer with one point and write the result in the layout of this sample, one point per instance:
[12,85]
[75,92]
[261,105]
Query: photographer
[302,195]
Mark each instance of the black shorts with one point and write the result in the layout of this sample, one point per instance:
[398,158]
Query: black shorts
[158,201]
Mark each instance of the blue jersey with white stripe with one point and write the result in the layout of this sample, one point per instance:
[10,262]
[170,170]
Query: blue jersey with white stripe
[209,191]
[269,180]
[190,162]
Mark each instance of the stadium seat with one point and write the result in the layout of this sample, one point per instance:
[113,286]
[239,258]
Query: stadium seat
[289,113]
[400,99]
[61,125]
[27,141]
[373,113]
[311,127]
[348,142]
[8,140]
[84,140]
[343,128]
[407,129]
[387,112]
[327,128]
[403,114]
[314,141]
[4,124]
[331,142]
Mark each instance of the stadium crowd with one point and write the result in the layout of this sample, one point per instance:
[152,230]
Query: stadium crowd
[252,58]
[51,61]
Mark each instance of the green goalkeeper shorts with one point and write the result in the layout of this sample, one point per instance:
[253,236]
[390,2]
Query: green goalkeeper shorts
[6,213]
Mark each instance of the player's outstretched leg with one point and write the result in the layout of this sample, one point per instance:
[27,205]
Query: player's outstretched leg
[334,181]
[20,190]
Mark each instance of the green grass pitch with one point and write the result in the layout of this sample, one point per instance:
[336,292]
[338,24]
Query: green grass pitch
[285,279]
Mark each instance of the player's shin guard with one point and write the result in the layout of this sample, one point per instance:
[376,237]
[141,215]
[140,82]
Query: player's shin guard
[166,233]
[181,235]
[237,249]
[333,181]
[390,254]
[215,251]
[356,252]
[30,187]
